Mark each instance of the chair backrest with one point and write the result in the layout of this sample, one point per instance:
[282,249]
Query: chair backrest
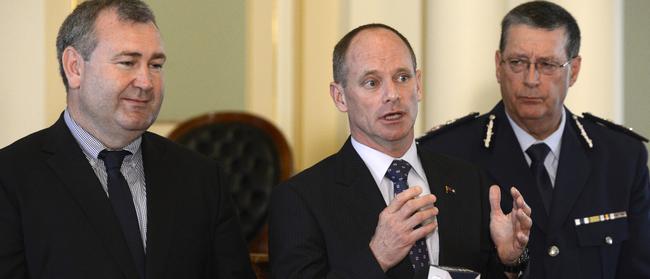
[254,156]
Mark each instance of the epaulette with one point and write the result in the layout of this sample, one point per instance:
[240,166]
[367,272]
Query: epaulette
[450,124]
[613,126]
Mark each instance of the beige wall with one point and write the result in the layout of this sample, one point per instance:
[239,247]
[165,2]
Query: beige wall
[286,66]
[25,55]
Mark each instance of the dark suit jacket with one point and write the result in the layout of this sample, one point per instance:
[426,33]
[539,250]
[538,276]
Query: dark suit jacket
[322,219]
[57,222]
[610,177]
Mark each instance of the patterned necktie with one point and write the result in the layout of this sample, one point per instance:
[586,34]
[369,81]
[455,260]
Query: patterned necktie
[120,196]
[537,153]
[398,172]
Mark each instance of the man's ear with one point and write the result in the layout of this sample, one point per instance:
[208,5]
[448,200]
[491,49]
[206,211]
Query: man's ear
[73,66]
[575,69]
[497,65]
[338,96]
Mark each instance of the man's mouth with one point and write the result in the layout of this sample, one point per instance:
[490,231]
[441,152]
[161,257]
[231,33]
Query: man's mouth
[393,116]
[138,101]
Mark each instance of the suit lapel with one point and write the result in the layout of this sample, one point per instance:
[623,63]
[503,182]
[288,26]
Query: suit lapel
[436,179]
[512,167]
[364,201]
[160,179]
[572,174]
[70,164]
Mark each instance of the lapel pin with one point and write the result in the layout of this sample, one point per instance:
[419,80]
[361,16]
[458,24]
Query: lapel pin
[449,190]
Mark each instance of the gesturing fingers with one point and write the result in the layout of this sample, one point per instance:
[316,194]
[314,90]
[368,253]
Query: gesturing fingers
[495,200]
[424,216]
[402,198]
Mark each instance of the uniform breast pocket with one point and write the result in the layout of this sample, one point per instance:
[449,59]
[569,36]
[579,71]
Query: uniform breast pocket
[604,233]
[600,244]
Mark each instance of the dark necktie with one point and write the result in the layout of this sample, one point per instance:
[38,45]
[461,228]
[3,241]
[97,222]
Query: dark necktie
[398,172]
[537,153]
[120,196]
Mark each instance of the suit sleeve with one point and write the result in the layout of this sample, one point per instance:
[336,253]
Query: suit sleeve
[229,248]
[297,245]
[634,261]
[12,251]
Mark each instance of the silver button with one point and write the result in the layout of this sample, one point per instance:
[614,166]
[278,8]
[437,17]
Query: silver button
[609,240]
[553,251]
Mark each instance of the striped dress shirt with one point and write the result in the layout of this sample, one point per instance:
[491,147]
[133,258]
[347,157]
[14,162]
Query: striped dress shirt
[132,169]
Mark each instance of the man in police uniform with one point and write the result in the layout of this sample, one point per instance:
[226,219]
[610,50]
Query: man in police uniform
[585,179]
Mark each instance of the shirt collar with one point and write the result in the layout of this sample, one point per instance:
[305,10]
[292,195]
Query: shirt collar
[378,162]
[91,145]
[554,141]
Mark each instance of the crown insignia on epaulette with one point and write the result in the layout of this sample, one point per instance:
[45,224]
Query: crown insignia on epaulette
[614,126]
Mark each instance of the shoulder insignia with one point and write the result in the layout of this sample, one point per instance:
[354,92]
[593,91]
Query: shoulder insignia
[614,126]
[452,123]
[489,131]
[583,133]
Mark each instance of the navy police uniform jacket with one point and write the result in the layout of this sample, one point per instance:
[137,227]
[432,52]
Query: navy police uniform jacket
[599,222]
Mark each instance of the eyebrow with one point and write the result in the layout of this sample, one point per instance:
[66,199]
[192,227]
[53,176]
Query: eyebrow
[373,72]
[542,58]
[135,54]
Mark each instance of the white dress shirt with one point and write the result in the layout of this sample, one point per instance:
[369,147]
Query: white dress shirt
[378,163]
[554,142]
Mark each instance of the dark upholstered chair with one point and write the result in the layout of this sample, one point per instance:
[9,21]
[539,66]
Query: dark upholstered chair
[254,156]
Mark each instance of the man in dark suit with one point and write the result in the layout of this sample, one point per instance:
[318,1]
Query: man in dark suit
[95,195]
[353,215]
[589,186]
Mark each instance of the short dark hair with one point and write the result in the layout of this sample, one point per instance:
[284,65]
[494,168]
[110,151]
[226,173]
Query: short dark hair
[546,15]
[78,29]
[339,68]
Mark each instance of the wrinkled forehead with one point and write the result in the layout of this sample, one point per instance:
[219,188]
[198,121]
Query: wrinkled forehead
[526,40]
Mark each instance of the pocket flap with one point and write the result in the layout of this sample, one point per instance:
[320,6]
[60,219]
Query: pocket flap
[603,233]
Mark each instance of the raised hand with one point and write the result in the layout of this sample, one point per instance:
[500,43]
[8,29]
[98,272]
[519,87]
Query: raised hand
[509,232]
[395,233]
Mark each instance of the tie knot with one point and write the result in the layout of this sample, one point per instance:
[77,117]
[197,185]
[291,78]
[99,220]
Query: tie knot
[398,171]
[113,159]
[538,152]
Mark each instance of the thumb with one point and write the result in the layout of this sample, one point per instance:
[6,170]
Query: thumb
[495,200]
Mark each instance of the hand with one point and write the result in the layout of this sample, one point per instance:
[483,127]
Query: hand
[509,232]
[395,233]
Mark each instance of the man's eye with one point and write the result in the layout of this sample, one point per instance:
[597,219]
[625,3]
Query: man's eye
[156,66]
[403,78]
[370,83]
[126,63]
[547,65]
[516,62]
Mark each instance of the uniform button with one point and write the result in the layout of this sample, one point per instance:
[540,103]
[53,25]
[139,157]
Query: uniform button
[609,240]
[553,251]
